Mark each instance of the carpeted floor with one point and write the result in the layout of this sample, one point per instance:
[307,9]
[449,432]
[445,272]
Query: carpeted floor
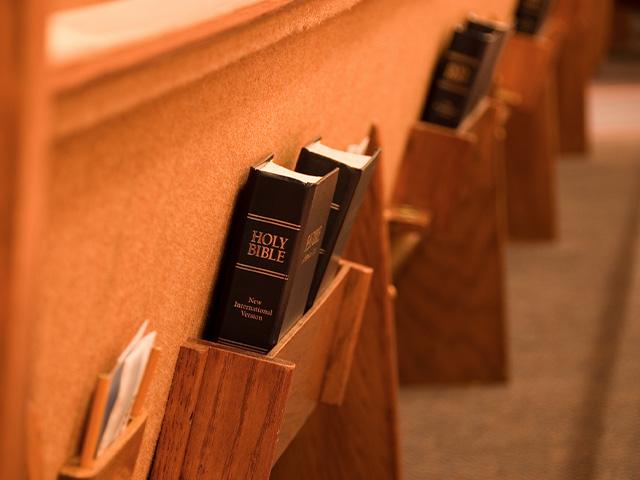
[572,408]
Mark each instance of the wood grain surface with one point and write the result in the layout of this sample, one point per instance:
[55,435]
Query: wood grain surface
[315,344]
[179,411]
[426,162]
[602,13]
[531,143]
[345,338]
[450,306]
[24,108]
[223,414]
[117,461]
[237,418]
[359,439]
[587,24]
[524,59]
[249,407]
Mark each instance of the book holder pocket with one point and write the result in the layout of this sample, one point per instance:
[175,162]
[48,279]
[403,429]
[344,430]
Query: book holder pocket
[338,433]
[527,69]
[116,462]
[232,413]
[450,295]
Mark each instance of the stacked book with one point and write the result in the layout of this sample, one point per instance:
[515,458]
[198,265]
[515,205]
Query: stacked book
[464,72]
[530,15]
[287,234]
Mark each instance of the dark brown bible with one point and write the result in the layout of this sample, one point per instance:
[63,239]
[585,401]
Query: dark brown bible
[500,31]
[355,172]
[454,77]
[270,257]
[530,15]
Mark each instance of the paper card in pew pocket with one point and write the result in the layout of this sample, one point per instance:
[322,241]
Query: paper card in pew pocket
[133,367]
[130,384]
[116,374]
[134,341]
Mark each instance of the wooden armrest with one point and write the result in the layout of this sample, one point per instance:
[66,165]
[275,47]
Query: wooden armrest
[407,227]
[407,217]
[508,97]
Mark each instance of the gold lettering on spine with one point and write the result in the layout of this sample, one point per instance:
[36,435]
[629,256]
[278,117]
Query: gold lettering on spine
[457,72]
[312,243]
[268,246]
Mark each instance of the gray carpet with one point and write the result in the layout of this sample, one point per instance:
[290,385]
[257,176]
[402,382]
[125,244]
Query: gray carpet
[572,407]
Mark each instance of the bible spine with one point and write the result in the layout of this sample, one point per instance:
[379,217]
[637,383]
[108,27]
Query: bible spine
[348,196]
[530,15]
[454,78]
[271,254]
[491,57]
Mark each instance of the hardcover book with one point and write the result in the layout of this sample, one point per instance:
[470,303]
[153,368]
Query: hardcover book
[355,172]
[500,32]
[455,76]
[530,15]
[271,255]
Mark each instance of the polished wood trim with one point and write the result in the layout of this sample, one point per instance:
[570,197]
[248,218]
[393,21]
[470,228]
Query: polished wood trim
[23,133]
[57,5]
[81,70]
[232,413]
[120,57]
[118,460]
[528,72]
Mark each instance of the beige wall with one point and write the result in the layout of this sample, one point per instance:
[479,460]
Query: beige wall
[146,164]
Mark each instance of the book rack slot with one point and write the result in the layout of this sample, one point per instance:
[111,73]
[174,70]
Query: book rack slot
[531,143]
[360,437]
[450,294]
[231,413]
[118,460]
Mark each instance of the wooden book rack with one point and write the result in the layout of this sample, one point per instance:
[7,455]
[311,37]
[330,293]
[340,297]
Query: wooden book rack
[117,461]
[526,70]
[231,414]
[583,38]
[358,440]
[450,304]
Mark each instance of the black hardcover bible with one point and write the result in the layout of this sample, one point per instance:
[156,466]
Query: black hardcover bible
[271,255]
[355,172]
[455,76]
[530,15]
[500,32]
